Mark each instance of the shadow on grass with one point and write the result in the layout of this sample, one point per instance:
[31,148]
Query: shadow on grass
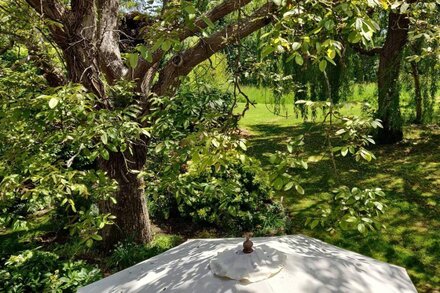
[408,172]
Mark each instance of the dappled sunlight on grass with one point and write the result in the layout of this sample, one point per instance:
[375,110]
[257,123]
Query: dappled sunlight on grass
[408,172]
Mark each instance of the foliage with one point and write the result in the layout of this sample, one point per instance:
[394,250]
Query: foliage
[351,209]
[360,207]
[356,135]
[198,169]
[233,195]
[128,253]
[213,72]
[60,136]
[220,186]
[40,271]
[285,163]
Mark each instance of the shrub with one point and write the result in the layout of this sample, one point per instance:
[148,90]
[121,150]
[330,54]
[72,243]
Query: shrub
[40,271]
[198,170]
[128,253]
[232,195]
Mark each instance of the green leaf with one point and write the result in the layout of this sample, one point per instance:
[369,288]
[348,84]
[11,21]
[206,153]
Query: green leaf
[215,143]
[331,53]
[278,183]
[89,243]
[361,228]
[314,224]
[404,7]
[208,22]
[344,151]
[323,65]
[299,189]
[166,45]
[143,51]
[104,138]
[105,154]
[299,59]
[96,237]
[53,102]
[296,46]
[354,37]
[242,145]
[133,59]
[289,186]
[267,50]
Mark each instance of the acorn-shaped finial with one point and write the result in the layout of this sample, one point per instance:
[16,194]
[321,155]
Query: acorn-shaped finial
[247,244]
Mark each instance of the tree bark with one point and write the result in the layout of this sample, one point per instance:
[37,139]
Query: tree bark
[132,218]
[388,77]
[417,93]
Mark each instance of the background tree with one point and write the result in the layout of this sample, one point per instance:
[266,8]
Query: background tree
[403,21]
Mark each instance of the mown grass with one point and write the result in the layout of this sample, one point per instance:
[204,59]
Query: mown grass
[408,172]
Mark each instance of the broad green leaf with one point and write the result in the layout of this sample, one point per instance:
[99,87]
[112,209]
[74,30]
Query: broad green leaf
[133,59]
[242,145]
[53,102]
[289,186]
[299,59]
[105,154]
[104,138]
[296,46]
[361,228]
[299,189]
[322,65]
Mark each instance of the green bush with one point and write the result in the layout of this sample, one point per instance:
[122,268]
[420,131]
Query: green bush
[233,195]
[40,271]
[128,253]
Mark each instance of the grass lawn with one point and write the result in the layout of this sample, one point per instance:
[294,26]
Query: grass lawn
[409,173]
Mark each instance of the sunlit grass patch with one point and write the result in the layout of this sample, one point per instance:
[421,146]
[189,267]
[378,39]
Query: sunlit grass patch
[409,173]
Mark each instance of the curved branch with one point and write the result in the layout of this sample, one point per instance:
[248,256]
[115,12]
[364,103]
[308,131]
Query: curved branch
[51,9]
[206,47]
[214,15]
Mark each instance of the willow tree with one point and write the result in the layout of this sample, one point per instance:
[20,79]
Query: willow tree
[404,19]
[101,44]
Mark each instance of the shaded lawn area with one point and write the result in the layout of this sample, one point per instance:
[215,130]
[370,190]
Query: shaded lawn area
[409,173]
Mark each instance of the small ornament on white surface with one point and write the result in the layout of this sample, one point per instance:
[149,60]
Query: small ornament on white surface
[248,264]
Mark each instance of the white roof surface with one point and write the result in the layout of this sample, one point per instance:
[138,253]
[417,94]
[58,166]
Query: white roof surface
[311,266]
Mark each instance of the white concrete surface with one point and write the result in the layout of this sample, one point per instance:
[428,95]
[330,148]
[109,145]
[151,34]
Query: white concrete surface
[312,266]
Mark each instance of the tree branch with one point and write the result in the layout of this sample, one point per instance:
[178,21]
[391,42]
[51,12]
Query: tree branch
[214,15]
[51,9]
[206,47]
[369,52]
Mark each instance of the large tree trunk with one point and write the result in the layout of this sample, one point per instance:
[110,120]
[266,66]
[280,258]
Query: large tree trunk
[417,92]
[388,77]
[132,218]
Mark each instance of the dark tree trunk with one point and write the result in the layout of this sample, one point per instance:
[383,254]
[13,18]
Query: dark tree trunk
[132,218]
[388,77]
[417,93]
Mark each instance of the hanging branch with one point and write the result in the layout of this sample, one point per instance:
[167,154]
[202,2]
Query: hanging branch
[329,129]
